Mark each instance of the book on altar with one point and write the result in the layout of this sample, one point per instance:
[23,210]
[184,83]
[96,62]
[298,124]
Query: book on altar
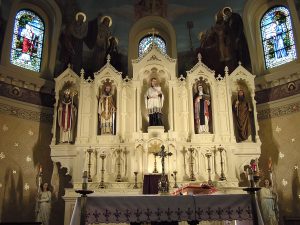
[195,189]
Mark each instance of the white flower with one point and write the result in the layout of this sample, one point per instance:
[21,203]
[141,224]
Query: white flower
[26,187]
[30,132]
[278,129]
[5,127]
[296,167]
[14,171]
[281,155]
[284,182]
[28,158]
[293,140]
[2,155]
[16,144]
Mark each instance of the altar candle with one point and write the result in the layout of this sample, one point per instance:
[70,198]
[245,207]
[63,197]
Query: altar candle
[84,180]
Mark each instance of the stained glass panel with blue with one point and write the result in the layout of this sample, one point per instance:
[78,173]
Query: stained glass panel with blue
[146,42]
[277,37]
[27,41]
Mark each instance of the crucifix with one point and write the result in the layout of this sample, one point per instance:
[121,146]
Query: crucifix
[163,185]
[153,33]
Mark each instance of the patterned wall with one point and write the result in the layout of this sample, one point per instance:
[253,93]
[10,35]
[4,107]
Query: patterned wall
[280,136]
[25,137]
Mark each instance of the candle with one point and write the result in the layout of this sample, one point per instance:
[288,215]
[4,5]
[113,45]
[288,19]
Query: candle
[84,180]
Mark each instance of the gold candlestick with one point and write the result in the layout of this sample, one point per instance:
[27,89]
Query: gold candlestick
[135,186]
[192,175]
[208,155]
[119,177]
[222,175]
[102,156]
[90,150]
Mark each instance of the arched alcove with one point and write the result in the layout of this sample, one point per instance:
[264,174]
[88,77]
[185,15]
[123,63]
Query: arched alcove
[142,28]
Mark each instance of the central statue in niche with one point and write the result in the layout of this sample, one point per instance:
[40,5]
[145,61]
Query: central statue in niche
[154,100]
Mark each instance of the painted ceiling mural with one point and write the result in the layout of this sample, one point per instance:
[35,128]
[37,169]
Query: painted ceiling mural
[178,13]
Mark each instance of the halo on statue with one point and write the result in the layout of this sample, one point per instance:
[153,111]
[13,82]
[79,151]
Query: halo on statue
[108,17]
[80,14]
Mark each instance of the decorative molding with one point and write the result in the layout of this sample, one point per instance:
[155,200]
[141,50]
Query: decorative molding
[153,58]
[278,111]
[26,95]
[278,92]
[26,113]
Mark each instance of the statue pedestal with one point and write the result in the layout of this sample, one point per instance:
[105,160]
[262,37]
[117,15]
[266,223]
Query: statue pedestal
[155,131]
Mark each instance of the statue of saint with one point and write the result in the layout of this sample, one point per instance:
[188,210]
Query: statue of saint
[107,111]
[241,110]
[44,204]
[154,100]
[67,114]
[267,202]
[201,111]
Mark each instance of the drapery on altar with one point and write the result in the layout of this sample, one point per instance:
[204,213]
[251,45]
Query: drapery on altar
[150,208]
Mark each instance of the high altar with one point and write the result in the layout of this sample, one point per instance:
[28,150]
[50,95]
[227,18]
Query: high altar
[131,144]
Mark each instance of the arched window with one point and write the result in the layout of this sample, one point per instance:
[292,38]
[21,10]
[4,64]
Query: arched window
[27,41]
[146,41]
[277,37]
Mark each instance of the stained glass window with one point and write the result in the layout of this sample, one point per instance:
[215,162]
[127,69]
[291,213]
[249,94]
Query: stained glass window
[27,41]
[146,42]
[277,37]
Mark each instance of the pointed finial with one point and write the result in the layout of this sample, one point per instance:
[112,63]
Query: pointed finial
[199,57]
[108,58]
[81,73]
[226,70]
[69,65]
[240,63]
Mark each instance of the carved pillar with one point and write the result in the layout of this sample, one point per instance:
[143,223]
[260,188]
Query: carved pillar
[191,109]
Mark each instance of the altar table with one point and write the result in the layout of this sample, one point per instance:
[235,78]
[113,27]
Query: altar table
[155,208]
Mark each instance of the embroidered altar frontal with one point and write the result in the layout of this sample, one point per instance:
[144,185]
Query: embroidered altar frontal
[150,208]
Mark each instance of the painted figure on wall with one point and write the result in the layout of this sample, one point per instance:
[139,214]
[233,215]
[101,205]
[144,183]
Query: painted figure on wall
[72,42]
[267,202]
[44,204]
[154,100]
[241,111]
[201,110]
[107,111]
[67,115]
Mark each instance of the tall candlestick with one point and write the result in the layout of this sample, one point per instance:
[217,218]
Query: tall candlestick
[135,186]
[208,155]
[119,177]
[102,156]
[222,177]
[90,150]
[192,175]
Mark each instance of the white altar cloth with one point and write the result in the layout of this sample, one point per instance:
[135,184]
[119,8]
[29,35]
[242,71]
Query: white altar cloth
[147,208]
